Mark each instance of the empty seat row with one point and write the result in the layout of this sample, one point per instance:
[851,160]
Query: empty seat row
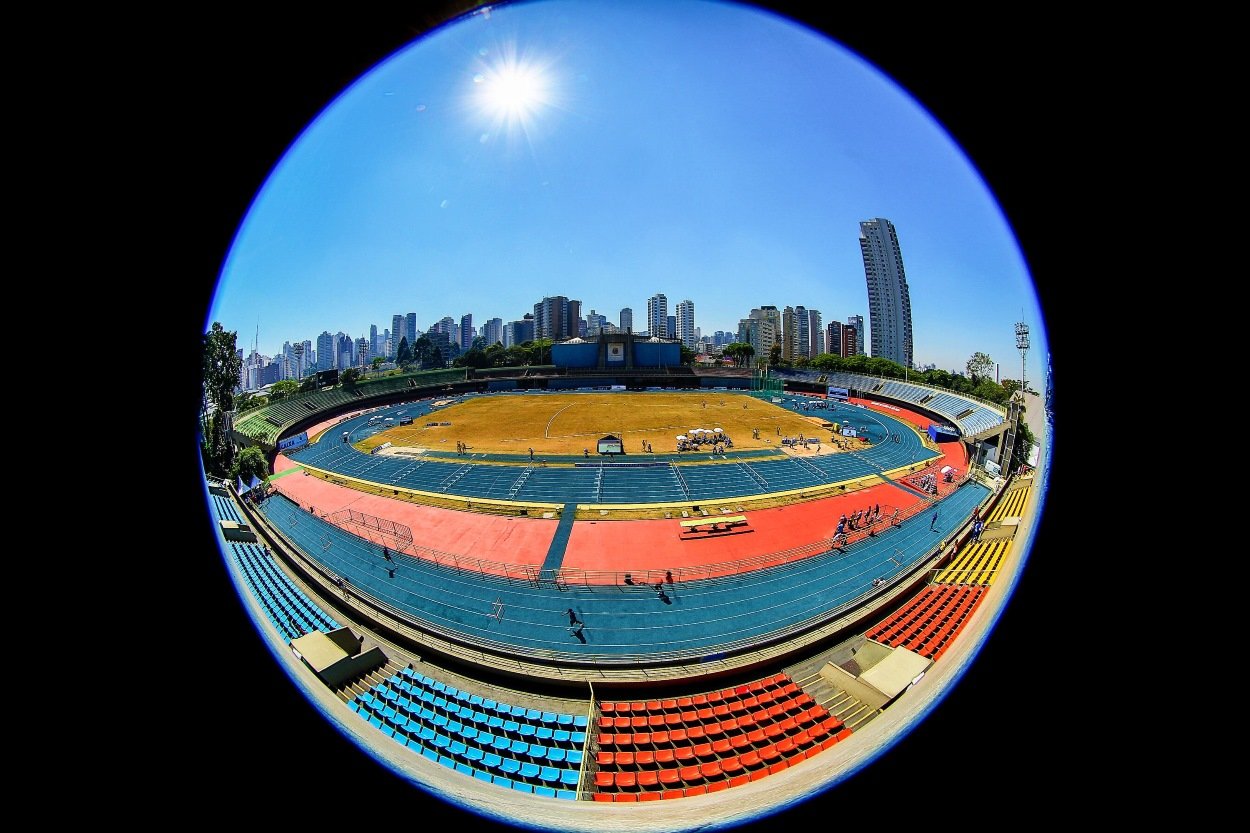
[711,776]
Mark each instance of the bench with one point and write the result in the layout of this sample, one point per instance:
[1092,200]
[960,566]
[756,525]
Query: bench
[713,524]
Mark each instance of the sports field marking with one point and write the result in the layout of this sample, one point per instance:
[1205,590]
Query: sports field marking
[547,430]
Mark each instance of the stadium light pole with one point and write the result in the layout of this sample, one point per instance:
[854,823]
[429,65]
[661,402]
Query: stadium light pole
[1022,344]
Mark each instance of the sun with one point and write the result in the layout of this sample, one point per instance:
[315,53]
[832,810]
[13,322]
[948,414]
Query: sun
[513,91]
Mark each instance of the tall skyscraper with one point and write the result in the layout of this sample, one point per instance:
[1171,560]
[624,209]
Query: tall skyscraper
[761,329]
[889,303]
[817,344]
[397,332]
[789,334]
[856,347]
[492,332]
[657,315]
[325,351]
[686,331]
[833,338]
[410,330]
[373,340]
[802,332]
[466,331]
[556,317]
[627,320]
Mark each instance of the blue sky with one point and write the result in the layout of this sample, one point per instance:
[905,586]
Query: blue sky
[609,151]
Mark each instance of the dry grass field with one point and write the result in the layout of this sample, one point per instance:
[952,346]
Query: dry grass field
[567,423]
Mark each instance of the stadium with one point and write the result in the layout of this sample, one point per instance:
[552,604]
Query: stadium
[270,731]
[555,595]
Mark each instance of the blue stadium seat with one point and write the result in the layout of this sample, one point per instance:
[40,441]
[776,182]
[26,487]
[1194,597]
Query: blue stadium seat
[547,792]
[569,776]
[510,766]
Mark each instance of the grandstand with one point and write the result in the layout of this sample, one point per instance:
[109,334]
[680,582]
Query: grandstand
[720,669]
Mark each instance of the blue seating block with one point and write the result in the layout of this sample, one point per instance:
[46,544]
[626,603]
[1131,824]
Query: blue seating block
[569,776]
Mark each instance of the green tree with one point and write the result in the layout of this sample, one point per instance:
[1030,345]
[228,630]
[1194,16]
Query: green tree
[403,356]
[774,356]
[377,362]
[687,355]
[283,389]
[979,364]
[220,366]
[251,461]
[350,377]
[740,351]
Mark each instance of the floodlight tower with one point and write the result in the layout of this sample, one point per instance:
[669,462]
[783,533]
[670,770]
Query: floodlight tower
[1022,344]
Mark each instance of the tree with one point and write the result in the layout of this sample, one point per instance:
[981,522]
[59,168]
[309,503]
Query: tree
[220,367]
[774,355]
[250,462]
[403,356]
[979,364]
[377,362]
[687,355]
[350,377]
[283,389]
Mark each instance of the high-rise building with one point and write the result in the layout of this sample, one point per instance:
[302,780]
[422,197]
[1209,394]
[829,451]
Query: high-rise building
[789,334]
[851,336]
[833,338]
[889,303]
[627,320]
[802,333]
[761,329]
[492,332]
[410,329]
[325,351]
[362,352]
[595,324]
[686,333]
[856,347]
[817,335]
[373,340]
[657,315]
[555,317]
[345,355]
[516,333]
[397,332]
[466,331]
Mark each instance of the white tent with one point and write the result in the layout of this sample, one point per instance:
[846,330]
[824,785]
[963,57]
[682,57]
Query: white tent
[681,436]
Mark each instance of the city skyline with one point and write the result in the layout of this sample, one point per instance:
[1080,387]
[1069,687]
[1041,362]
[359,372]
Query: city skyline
[492,164]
